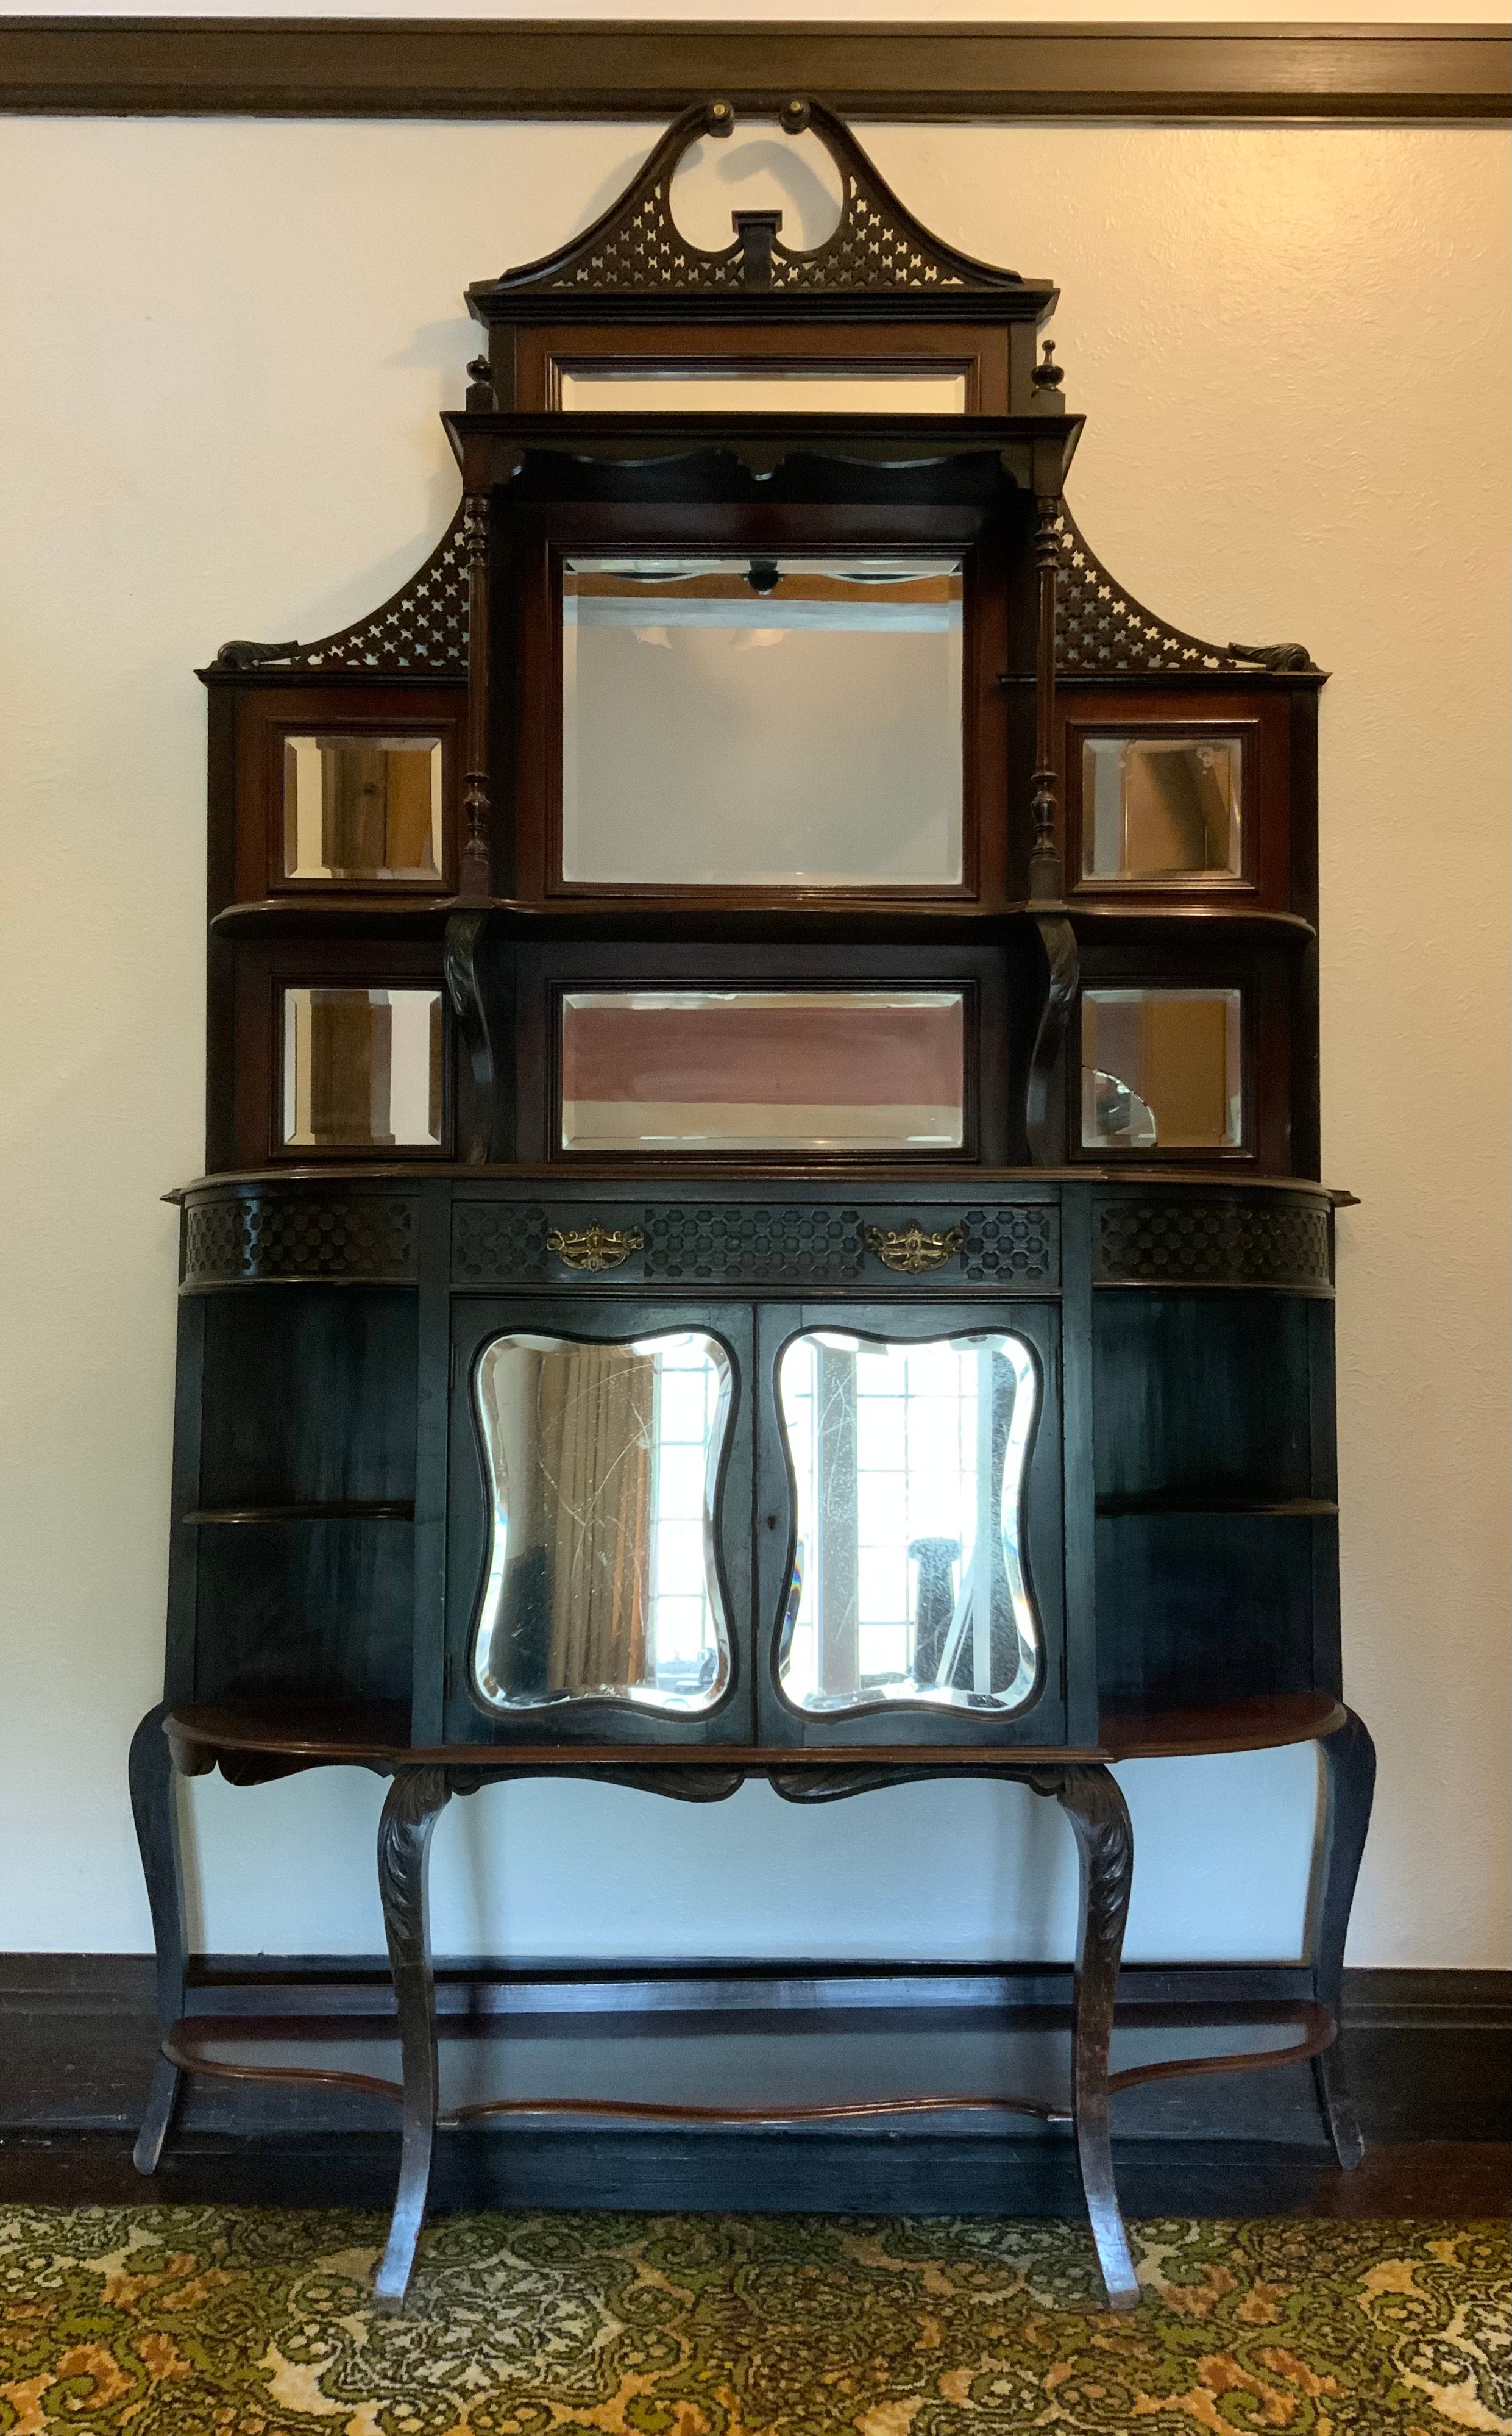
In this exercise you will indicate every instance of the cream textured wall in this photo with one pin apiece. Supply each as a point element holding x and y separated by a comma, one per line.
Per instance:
<point>226,346</point>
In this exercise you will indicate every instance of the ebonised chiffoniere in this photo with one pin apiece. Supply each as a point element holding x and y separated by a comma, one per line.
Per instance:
<point>761,1213</point>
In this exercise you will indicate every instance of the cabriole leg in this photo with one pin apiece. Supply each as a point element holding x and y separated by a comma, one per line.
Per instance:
<point>1349,1782</point>
<point>1105,1843</point>
<point>415,1801</point>
<point>154,1807</point>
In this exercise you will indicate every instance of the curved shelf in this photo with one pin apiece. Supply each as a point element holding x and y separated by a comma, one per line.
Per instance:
<point>1110,1509</point>
<point>342,912</point>
<point>315,1733</point>
<point>396,1509</point>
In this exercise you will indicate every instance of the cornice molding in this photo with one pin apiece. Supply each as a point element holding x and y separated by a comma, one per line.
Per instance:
<point>309,67</point>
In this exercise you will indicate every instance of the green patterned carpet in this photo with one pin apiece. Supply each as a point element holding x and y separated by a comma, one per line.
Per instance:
<point>206,2322</point>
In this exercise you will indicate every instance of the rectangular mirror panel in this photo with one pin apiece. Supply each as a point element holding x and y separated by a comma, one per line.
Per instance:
<point>1161,1069</point>
<point>763,724</point>
<point>1161,807</point>
<point>601,1463</point>
<point>763,1069</point>
<point>362,807</point>
<point>362,1067</point>
<point>803,389</point>
<point>908,1580</point>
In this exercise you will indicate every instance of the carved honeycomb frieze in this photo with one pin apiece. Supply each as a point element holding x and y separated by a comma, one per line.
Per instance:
<point>1212,1242</point>
<point>250,1239</point>
<point>498,1242</point>
<point>1010,1246</point>
<point>752,1244</point>
<point>743,1244</point>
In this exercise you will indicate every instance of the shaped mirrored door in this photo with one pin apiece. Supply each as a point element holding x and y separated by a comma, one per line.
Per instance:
<point>601,1464</point>
<point>771,722</point>
<point>909,1465</point>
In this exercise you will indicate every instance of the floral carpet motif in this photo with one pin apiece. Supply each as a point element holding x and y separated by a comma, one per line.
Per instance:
<point>212,2321</point>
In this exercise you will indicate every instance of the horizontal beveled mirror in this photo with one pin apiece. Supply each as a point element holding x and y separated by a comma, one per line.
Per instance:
<point>363,808</point>
<point>770,722</point>
<point>601,1464</point>
<point>907,1582</point>
<point>1164,809</point>
<point>1161,1069</point>
<point>752,1069</point>
<point>362,1068</point>
<point>801,388</point>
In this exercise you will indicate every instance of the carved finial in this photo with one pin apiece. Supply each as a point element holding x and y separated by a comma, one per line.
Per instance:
<point>720,117</point>
<point>1282,659</point>
<point>250,655</point>
<point>793,116</point>
<point>755,230</point>
<point>1048,375</point>
<point>481,398</point>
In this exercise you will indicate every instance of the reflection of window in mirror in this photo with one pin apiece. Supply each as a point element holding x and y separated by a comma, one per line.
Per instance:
<point>798,389</point>
<point>761,722</point>
<point>601,1463</point>
<point>1161,1069</point>
<point>362,1067</point>
<point>907,1582</point>
<point>1161,807</point>
<point>362,807</point>
<point>763,1069</point>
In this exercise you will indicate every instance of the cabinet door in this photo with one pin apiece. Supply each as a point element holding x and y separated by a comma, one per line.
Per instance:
<point>910,1525</point>
<point>599,1563</point>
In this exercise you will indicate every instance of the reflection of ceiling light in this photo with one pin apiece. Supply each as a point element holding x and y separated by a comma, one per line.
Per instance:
<point>756,638</point>
<point>653,635</point>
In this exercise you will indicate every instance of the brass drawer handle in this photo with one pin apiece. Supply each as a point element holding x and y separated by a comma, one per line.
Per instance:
<point>913,1251</point>
<point>595,1247</point>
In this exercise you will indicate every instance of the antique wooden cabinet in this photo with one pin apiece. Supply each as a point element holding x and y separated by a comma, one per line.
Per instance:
<point>762,1209</point>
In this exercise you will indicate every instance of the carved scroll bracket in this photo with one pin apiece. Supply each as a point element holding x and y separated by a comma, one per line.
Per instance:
<point>478,1119</point>
<point>1044,1109</point>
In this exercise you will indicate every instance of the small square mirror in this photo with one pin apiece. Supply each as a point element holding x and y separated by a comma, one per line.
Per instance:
<point>1163,810</point>
<point>363,808</point>
<point>362,1068</point>
<point>1161,1069</point>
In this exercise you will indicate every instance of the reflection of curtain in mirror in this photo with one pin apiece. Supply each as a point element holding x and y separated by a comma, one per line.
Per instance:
<point>596,1421</point>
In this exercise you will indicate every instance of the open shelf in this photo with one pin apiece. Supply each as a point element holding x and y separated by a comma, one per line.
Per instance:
<point>755,2067</point>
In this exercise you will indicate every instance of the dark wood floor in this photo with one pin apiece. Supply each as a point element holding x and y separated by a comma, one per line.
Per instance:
<point>479,2169</point>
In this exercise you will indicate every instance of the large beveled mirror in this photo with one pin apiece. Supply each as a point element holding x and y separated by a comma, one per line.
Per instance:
<point>862,1072</point>
<point>602,1465</point>
<point>764,723</point>
<point>909,1465</point>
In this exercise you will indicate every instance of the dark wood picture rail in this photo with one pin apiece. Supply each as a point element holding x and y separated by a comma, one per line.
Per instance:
<point>406,68</point>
